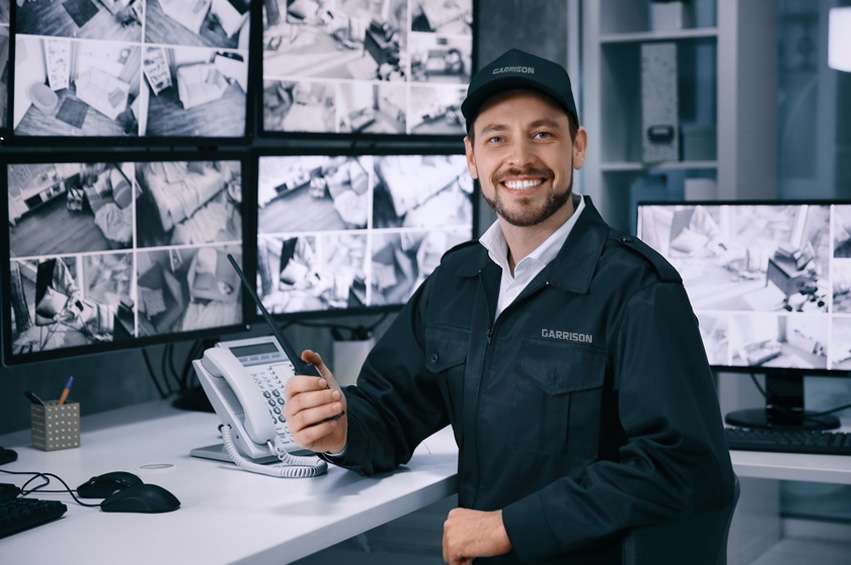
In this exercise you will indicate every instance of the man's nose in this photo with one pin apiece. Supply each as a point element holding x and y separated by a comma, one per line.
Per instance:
<point>522,155</point>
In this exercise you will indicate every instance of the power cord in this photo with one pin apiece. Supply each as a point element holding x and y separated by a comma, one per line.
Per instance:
<point>47,477</point>
<point>356,331</point>
<point>153,376</point>
<point>164,370</point>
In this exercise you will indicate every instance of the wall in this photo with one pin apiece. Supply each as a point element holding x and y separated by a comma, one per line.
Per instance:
<point>117,379</point>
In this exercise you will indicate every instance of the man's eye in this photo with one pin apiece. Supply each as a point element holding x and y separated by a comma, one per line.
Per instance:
<point>543,135</point>
<point>495,139</point>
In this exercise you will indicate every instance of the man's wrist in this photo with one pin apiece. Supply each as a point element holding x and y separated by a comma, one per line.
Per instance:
<point>501,535</point>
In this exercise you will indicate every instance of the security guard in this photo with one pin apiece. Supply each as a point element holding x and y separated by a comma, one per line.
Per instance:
<point>565,355</point>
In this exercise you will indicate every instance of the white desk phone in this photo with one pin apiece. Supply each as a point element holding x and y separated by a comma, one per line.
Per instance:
<point>244,381</point>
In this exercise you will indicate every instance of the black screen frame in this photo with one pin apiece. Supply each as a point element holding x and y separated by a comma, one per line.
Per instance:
<point>768,371</point>
<point>250,221</point>
<point>351,137</point>
<point>9,359</point>
<point>249,131</point>
<point>6,130</point>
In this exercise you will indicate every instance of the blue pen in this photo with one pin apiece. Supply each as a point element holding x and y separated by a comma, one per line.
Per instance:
<point>66,391</point>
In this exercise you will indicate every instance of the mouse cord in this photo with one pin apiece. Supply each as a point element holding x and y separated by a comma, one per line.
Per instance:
<point>46,476</point>
<point>292,467</point>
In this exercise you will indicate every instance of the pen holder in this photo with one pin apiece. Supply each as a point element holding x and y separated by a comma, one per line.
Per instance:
<point>55,426</point>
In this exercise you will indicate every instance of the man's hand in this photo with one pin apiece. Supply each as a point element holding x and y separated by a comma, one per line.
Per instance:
<point>316,411</point>
<point>472,533</point>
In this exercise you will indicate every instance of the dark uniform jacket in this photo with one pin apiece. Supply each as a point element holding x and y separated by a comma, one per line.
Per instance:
<point>587,408</point>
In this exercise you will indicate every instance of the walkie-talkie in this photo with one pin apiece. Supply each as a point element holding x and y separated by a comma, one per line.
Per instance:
<point>300,366</point>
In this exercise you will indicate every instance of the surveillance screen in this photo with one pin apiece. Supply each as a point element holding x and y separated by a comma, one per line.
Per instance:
<point>143,251</point>
<point>366,66</point>
<point>130,68</point>
<point>355,232</point>
<point>770,284</point>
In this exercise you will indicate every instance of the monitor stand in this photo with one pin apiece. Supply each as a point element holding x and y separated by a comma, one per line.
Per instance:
<point>784,407</point>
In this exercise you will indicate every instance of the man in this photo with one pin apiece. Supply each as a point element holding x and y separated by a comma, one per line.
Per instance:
<point>565,356</point>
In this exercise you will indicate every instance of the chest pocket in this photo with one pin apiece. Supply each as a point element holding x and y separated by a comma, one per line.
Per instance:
<point>445,358</point>
<point>558,394</point>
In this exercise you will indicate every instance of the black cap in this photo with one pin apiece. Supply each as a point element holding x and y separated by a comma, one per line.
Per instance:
<point>518,69</point>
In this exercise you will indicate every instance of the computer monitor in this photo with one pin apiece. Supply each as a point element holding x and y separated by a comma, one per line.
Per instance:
<point>770,283</point>
<point>131,69</point>
<point>379,68</point>
<point>100,255</point>
<point>356,233</point>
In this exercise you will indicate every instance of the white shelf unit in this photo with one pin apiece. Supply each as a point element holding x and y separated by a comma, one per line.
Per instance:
<point>727,61</point>
<point>636,166</point>
<point>666,35</point>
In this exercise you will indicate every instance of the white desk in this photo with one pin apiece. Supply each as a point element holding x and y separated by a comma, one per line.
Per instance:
<point>792,466</point>
<point>226,515</point>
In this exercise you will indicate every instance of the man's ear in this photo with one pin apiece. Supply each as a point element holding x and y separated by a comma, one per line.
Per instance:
<point>580,145</point>
<point>471,161</point>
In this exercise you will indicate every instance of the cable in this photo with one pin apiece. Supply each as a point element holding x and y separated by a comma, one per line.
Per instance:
<point>164,369</point>
<point>187,373</point>
<point>187,365</point>
<point>334,326</point>
<point>36,474</point>
<point>163,395</point>
<point>806,415</point>
<point>174,373</point>
<point>291,467</point>
<point>46,482</point>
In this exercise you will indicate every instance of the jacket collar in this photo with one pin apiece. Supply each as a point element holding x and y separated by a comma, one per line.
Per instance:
<point>574,266</point>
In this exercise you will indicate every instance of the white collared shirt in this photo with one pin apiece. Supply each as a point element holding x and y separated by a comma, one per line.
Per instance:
<point>511,286</point>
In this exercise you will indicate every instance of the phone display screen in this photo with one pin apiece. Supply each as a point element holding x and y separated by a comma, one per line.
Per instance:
<point>258,349</point>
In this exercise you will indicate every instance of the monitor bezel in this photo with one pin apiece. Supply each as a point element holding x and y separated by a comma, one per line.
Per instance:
<point>352,136</point>
<point>6,130</point>
<point>768,371</point>
<point>251,221</point>
<point>10,359</point>
<point>140,142</point>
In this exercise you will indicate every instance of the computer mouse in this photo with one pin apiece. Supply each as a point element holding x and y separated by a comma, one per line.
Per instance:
<point>104,485</point>
<point>150,499</point>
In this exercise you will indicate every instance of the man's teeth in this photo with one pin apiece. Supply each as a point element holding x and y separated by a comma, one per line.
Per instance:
<point>522,184</point>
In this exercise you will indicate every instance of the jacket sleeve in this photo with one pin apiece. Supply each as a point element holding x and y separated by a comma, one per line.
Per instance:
<point>395,404</point>
<point>675,458</point>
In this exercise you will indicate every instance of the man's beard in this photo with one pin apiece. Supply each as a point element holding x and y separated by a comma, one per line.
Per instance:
<point>525,218</point>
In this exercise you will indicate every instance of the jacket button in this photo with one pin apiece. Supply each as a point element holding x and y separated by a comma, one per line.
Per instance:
<point>434,357</point>
<point>626,239</point>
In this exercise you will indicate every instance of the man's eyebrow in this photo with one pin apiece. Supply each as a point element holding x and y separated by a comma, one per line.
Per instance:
<point>493,127</point>
<point>544,122</point>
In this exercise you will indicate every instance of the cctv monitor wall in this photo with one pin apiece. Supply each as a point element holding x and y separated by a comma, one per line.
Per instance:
<point>131,69</point>
<point>374,67</point>
<point>770,283</point>
<point>354,233</point>
<point>109,254</point>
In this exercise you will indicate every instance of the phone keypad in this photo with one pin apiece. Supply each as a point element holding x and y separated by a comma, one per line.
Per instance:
<point>272,379</point>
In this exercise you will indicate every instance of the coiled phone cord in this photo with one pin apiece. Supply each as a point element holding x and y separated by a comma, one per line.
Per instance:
<point>291,467</point>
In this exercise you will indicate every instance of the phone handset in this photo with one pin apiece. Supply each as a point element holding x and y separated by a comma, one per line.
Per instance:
<point>220,362</point>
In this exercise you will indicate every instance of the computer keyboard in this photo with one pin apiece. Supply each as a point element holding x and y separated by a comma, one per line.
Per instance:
<point>794,441</point>
<point>18,514</point>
